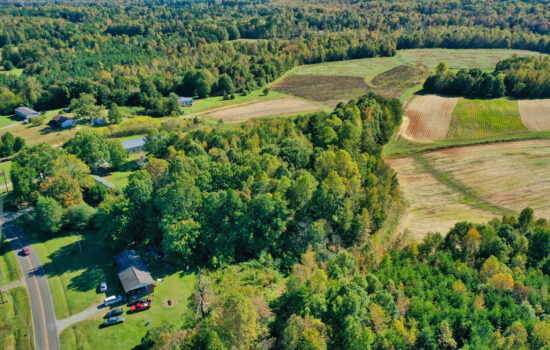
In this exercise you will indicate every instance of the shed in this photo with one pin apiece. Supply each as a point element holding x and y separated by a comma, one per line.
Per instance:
<point>26,113</point>
<point>64,121</point>
<point>101,181</point>
<point>134,146</point>
<point>185,101</point>
<point>133,273</point>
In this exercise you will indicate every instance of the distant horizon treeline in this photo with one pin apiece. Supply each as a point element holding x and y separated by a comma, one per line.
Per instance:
<point>138,55</point>
<point>519,77</point>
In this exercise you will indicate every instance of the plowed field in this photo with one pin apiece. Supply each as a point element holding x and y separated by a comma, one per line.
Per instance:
<point>428,117</point>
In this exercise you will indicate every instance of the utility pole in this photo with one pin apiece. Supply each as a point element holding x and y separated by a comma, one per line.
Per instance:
<point>5,180</point>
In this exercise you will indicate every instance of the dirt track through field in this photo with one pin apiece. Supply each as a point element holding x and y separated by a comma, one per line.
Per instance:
<point>535,114</point>
<point>428,117</point>
<point>263,109</point>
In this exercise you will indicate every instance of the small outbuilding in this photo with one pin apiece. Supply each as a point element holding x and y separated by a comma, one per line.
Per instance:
<point>101,181</point>
<point>133,273</point>
<point>185,101</point>
<point>26,113</point>
<point>64,121</point>
<point>134,146</point>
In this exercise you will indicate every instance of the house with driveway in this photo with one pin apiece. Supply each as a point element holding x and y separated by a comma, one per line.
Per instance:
<point>133,274</point>
<point>26,113</point>
<point>63,121</point>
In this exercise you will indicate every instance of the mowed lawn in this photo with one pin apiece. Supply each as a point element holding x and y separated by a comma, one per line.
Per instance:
<point>16,322</point>
<point>473,119</point>
<point>73,277</point>
<point>9,266</point>
<point>176,288</point>
<point>6,120</point>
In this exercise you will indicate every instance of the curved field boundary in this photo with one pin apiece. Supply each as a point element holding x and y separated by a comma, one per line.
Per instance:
<point>429,117</point>
<point>535,114</point>
<point>263,109</point>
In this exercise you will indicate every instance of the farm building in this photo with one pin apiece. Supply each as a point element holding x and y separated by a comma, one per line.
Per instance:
<point>185,101</point>
<point>101,181</point>
<point>134,146</point>
<point>63,121</point>
<point>133,273</point>
<point>26,113</point>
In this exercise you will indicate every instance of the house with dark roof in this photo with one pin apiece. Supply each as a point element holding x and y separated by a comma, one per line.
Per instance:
<point>133,273</point>
<point>26,113</point>
<point>63,121</point>
<point>134,146</point>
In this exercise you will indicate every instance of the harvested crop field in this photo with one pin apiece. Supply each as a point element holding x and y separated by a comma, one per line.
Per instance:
<point>263,109</point>
<point>506,177</point>
<point>323,88</point>
<point>432,206</point>
<point>535,114</point>
<point>473,119</point>
<point>428,117</point>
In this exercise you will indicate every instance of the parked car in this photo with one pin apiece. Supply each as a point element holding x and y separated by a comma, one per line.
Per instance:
<point>25,251</point>
<point>113,320</point>
<point>113,299</point>
<point>103,286</point>
<point>114,312</point>
<point>140,301</point>
<point>140,307</point>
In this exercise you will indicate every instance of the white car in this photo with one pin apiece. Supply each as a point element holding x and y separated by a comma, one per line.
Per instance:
<point>103,286</point>
<point>113,299</point>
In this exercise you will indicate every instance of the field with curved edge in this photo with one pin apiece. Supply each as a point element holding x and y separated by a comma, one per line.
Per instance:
<point>428,117</point>
<point>535,114</point>
<point>473,183</point>
<point>263,109</point>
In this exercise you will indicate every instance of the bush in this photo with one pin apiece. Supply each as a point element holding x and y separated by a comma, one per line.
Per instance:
<point>78,217</point>
<point>48,214</point>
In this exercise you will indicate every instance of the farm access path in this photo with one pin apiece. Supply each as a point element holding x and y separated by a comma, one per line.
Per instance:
<point>42,310</point>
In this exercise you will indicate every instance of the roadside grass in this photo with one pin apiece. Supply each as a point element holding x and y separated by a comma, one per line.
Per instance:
<point>10,271</point>
<point>5,166</point>
<point>6,120</point>
<point>474,119</point>
<point>175,287</point>
<point>73,277</point>
<point>16,325</point>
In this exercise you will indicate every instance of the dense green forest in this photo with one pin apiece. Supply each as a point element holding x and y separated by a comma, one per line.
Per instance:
<point>517,77</point>
<point>137,54</point>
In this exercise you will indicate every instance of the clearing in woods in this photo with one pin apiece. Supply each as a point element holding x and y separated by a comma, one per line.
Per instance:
<point>263,109</point>
<point>473,183</point>
<point>473,119</point>
<point>535,114</point>
<point>397,76</point>
<point>428,117</point>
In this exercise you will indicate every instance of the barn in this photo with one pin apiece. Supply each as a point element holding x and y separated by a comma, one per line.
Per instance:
<point>26,113</point>
<point>185,101</point>
<point>134,145</point>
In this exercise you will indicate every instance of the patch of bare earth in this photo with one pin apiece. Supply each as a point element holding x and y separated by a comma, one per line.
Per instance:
<point>511,175</point>
<point>323,88</point>
<point>428,117</point>
<point>432,206</point>
<point>535,114</point>
<point>263,109</point>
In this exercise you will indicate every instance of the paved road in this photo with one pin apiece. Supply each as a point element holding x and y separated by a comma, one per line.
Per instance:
<point>43,313</point>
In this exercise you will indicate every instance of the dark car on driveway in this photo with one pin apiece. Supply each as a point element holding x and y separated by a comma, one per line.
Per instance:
<point>113,320</point>
<point>113,313</point>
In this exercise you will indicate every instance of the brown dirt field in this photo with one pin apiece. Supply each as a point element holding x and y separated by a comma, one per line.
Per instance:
<point>535,114</point>
<point>322,88</point>
<point>511,175</point>
<point>262,109</point>
<point>394,82</point>
<point>432,206</point>
<point>428,117</point>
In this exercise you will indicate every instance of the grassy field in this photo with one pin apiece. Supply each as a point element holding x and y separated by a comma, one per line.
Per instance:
<point>15,71</point>
<point>176,288</point>
<point>473,183</point>
<point>472,119</point>
<point>205,104</point>
<point>398,76</point>
<point>73,277</point>
<point>16,326</point>
<point>6,120</point>
<point>9,267</point>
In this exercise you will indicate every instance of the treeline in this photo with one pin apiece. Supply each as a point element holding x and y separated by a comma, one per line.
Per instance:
<point>138,55</point>
<point>479,287</point>
<point>517,77</point>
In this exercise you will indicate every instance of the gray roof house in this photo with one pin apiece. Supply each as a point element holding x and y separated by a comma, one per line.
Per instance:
<point>101,181</point>
<point>134,146</point>
<point>185,101</point>
<point>26,113</point>
<point>133,273</point>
